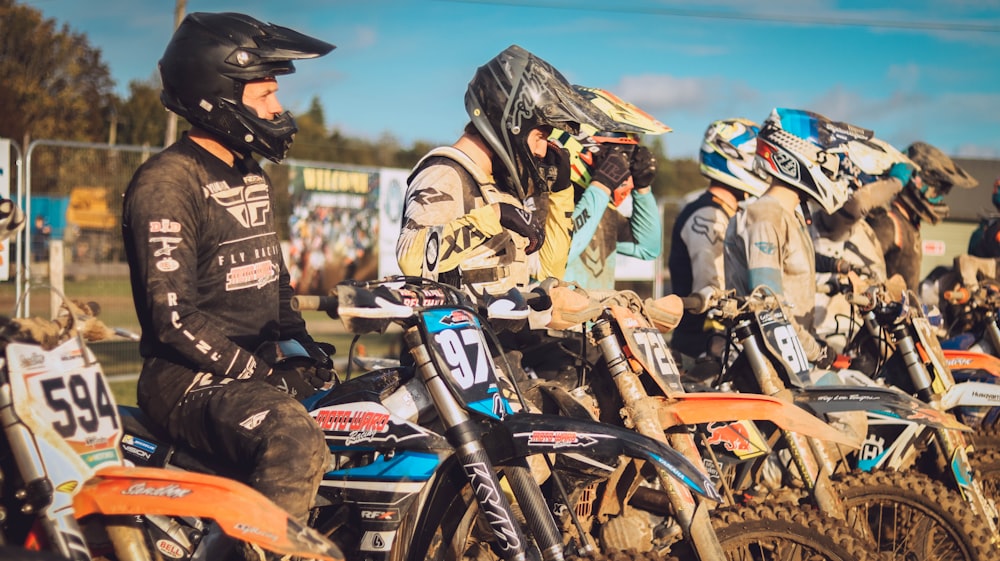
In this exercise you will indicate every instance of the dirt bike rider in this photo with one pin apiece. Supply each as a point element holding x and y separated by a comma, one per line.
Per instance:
<point>600,229</point>
<point>208,279</point>
<point>985,240</point>
<point>491,211</point>
<point>844,241</point>
<point>768,242</point>
<point>921,200</point>
<point>696,247</point>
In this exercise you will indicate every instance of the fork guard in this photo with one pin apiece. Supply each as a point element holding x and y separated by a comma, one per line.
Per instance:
<point>241,512</point>
<point>839,399</point>
<point>524,434</point>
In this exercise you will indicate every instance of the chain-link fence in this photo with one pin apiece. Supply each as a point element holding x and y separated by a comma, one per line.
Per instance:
<point>72,195</point>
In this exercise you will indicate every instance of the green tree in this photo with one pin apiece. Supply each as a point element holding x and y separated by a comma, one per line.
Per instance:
<point>141,117</point>
<point>55,84</point>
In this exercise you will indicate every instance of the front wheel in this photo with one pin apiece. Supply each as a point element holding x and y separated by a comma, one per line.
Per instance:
<point>910,516</point>
<point>781,532</point>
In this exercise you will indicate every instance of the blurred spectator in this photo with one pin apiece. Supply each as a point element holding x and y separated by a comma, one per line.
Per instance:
<point>40,234</point>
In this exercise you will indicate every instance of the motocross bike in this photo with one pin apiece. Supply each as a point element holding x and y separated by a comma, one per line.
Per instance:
<point>65,488</point>
<point>621,330</point>
<point>908,514</point>
<point>898,346</point>
<point>633,380</point>
<point>435,459</point>
<point>968,299</point>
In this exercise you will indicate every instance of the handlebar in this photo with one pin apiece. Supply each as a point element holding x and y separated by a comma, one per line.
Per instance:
<point>326,304</point>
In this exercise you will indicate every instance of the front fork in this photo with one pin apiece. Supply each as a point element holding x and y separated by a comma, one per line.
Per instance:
<point>463,435</point>
<point>813,458</point>
<point>61,529</point>
<point>640,413</point>
<point>953,445</point>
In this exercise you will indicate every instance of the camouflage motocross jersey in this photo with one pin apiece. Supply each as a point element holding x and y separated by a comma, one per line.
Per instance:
<point>768,245</point>
<point>451,233</point>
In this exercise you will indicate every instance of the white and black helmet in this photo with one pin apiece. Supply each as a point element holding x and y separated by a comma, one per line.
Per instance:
<point>727,155</point>
<point>516,92</point>
<point>805,150</point>
<point>209,60</point>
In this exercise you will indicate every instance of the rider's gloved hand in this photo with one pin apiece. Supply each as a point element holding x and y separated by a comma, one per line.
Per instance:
<point>554,168</point>
<point>524,223</point>
<point>298,380</point>
<point>826,357</point>
<point>611,167</point>
<point>642,167</point>
<point>902,171</point>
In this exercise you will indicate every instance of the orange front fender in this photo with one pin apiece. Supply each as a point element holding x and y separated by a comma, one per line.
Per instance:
<point>968,360</point>
<point>704,407</point>
<point>240,511</point>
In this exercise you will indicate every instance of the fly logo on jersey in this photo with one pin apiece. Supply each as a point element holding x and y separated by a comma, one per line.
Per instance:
<point>249,204</point>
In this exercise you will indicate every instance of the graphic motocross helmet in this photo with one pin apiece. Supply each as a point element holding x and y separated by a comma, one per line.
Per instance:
<point>938,174</point>
<point>805,150</point>
<point>513,94</point>
<point>209,60</point>
<point>727,155</point>
<point>629,122</point>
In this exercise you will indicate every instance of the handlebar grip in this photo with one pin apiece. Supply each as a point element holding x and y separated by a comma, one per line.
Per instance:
<point>326,304</point>
<point>859,300</point>
<point>694,303</point>
<point>960,295</point>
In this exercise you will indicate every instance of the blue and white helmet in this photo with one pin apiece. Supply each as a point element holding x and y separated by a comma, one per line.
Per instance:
<point>727,155</point>
<point>805,150</point>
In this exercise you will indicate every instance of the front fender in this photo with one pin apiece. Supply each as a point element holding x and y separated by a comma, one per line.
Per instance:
<point>526,434</point>
<point>821,400</point>
<point>981,365</point>
<point>705,407</point>
<point>971,394</point>
<point>241,512</point>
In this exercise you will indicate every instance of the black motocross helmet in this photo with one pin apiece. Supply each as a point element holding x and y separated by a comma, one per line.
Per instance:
<point>209,60</point>
<point>516,92</point>
<point>939,174</point>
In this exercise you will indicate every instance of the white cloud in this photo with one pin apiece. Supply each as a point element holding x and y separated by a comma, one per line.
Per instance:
<point>364,37</point>
<point>663,92</point>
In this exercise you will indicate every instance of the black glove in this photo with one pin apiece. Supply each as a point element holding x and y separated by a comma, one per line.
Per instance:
<point>611,167</point>
<point>298,378</point>
<point>554,168</point>
<point>826,357</point>
<point>524,223</point>
<point>642,167</point>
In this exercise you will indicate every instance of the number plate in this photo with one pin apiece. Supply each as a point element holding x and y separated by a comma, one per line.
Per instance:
<point>67,406</point>
<point>462,356</point>
<point>648,347</point>
<point>783,343</point>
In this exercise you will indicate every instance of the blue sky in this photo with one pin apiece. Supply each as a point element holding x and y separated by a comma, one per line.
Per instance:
<point>909,70</point>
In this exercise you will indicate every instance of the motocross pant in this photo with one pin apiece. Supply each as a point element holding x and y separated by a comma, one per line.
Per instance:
<point>267,436</point>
